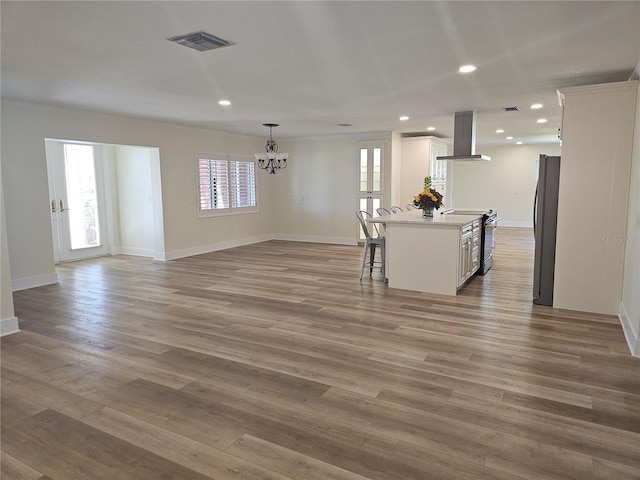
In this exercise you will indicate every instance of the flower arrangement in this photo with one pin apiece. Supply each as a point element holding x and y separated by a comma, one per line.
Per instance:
<point>429,198</point>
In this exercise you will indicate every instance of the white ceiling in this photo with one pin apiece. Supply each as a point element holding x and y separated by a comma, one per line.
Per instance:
<point>310,66</point>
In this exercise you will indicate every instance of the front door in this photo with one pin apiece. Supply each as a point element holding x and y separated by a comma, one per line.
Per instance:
<point>76,190</point>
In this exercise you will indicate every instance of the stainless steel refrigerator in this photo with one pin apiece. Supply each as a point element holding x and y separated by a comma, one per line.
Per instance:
<point>545,219</point>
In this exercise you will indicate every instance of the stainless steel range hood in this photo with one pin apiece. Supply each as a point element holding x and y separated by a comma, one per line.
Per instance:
<point>464,139</point>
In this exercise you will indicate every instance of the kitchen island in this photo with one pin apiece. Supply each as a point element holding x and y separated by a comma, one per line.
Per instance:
<point>436,254</point>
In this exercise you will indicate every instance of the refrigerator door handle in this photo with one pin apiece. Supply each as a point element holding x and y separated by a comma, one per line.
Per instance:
<point>535,208</point>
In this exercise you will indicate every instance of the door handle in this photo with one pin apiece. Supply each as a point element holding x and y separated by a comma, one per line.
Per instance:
<point>62,209</point>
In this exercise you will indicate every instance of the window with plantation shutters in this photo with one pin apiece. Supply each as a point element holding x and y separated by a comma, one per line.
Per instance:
<point>226,185</point>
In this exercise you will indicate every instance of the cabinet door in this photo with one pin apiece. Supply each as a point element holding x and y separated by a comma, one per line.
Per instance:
<point>464,260</point>
<point>475,248</point>
<point>466,240</point>
<point>475,255</point>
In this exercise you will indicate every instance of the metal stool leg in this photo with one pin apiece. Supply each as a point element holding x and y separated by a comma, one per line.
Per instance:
<point>364,258</point>
<point>372,257</point>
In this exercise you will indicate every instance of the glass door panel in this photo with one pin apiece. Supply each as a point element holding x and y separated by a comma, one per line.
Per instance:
<point>76,197</point>
<point>370,183</point>
<point>84,227</point>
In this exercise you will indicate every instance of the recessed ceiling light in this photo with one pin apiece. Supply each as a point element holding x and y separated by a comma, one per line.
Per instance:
<point>518,143</point>
<point>431,129</point>
<point>542,120</point>
<point>535,106</point>
<point>509,138</point>
<point>404,118</point>
<point>224,103</point>
<point>467,69</point>
<point>500,130</point>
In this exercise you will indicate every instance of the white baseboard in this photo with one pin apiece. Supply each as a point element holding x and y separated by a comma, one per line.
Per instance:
<point>502,223</point>
<point>629,331</point>
<point>213,247</point>
<point>36,281</point>
<point>9,326</point>
<point>315,239</point>
<point>137,252</point>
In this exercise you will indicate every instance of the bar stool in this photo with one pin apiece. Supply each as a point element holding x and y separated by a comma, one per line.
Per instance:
<point>395,209</point>
<point>370,244</point>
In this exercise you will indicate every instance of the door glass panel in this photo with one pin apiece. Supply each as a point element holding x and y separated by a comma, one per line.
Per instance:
<point>370,181</point>
<point>363,206</point>
<point>363,170</point>
<point>376,204</point>
<point>377,169</point>
<point>82,197</point>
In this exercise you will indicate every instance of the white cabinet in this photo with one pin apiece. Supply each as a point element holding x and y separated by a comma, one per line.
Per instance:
<point>592,235</point>
<point>424,254</point>
<point>469,257</point>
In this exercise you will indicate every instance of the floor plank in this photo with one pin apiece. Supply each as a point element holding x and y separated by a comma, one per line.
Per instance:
<point>273,361</point>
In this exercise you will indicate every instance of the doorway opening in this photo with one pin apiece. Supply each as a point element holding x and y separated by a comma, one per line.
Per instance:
<point>105,199</point>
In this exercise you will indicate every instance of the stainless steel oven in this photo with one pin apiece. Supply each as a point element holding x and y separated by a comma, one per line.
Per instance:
<point>489,227</point>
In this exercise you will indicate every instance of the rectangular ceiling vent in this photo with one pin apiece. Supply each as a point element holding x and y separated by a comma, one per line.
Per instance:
<point>511,109</point>
<point>201,41</point>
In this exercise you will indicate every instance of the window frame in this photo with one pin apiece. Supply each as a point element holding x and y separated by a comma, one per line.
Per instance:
<point>229,159</point>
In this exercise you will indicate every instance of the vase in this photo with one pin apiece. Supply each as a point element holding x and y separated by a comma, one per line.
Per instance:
<point>427,212</point>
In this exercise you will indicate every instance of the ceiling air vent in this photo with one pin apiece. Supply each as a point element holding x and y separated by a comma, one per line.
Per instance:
<point>201,41</point>
<point>511,109</point>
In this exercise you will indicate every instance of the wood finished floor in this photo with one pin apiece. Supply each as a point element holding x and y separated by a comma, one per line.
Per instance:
<point>273,361</point>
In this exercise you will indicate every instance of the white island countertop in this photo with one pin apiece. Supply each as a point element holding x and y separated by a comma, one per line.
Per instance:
<point>429,254</point>
<point>414,217</point>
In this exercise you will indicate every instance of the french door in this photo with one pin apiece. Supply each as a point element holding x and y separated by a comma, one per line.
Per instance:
<point>370,190</point>
<point>76,192</point>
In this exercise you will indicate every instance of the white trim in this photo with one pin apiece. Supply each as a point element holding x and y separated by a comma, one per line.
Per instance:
<point>315,239</point>
<point>213,247</point>
<point>514,224</point>
<point>630,335</point>
<point>9,326</point>
<point>137,252</point>
<point>229,210</point>
<point>598,88</point>
<point>35,281</point>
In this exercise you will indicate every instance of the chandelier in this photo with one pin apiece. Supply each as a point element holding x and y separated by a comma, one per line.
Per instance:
<point>272,161</point>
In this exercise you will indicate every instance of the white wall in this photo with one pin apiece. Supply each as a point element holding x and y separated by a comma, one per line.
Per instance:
<point>630,306</point>
<point>8,320</point>
<point>415,166</point>
<point>506,183</point>
<point>393,196</point>
<point>316,196</point>
<point>134,196</point>
<point>23,130</point>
